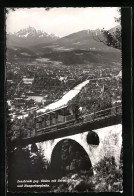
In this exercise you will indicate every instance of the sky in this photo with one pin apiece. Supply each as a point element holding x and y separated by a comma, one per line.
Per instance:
<point>61,21</point>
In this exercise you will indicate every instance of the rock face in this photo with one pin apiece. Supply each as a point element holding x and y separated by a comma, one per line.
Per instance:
<point>28,37</point>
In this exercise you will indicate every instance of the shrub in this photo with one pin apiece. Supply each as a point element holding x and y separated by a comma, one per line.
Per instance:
<point>108,176</point>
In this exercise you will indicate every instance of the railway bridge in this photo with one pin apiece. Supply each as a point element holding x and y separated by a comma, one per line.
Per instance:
<point>96,135</point>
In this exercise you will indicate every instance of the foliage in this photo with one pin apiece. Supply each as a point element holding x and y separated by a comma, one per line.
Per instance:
<point>108,176</point>
<point>38,164</point>
<point>112,39</point>
<point>20,161</point>
<point>75,183</point>
<point>71,159</point>
<point>26,165</point>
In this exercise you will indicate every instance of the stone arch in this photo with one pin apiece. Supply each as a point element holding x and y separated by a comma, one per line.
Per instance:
<point>68,156</point>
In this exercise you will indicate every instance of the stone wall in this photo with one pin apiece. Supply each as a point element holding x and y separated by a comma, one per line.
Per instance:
<point>110,144</point>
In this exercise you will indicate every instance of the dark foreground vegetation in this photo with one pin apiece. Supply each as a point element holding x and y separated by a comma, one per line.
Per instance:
<point>106,176</point>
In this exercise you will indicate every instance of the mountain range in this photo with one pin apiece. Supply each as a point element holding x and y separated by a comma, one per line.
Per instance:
<point>29,36</point>
<point>79,47</point>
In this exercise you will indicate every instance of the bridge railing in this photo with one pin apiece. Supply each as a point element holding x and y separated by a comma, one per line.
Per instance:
<point>116,110</point>
<point>95,116</point>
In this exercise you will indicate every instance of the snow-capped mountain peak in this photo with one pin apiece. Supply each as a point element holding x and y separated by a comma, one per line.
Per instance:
<point>30,36</point>
<point>31,32</point>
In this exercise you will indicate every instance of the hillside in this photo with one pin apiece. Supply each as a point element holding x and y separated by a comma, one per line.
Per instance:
<point>101,58</point>
<point>84,57</point>
<point>85,39</point>
<point>18,54</point>
<point>77,48</point>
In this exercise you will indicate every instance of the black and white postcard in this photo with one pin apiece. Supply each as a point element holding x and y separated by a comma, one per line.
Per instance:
<point>64,99</point>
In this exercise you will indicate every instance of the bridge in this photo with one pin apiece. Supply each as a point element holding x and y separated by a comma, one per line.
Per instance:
<point>98,134</point>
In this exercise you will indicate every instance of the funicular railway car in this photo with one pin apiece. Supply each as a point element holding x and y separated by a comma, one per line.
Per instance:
<point>54,119</point>
<point>66,116</point>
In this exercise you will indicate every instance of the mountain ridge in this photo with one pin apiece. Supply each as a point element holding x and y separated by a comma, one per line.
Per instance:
<point>29,36</point>
<point>83,40</point>
<point>79,47</point>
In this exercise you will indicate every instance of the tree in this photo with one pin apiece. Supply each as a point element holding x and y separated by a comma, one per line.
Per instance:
<point>111,38</point>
